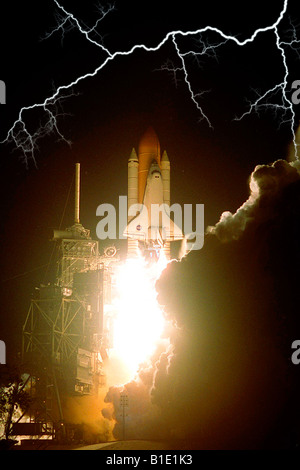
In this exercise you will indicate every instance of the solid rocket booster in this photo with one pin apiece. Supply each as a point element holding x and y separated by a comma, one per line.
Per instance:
<point>133,195</point>
<point>148,183</point>
<point>165,173</point>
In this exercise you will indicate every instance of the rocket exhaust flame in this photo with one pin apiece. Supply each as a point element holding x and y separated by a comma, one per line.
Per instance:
<point>139,323</point>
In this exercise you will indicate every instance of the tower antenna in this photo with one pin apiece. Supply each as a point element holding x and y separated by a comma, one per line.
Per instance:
<point>77,194</point>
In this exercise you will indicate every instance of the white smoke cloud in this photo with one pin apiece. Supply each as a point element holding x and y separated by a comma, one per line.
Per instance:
<point>266,184</point>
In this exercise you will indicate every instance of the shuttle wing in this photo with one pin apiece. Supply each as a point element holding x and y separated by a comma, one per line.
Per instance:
<point>163,228</point>
<point>171,231</point>
<point>138,227</point>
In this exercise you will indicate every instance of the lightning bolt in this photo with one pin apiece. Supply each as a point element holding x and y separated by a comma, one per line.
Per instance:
<point>67,21</point>
<point>26,141</point>
<point>285,105</point>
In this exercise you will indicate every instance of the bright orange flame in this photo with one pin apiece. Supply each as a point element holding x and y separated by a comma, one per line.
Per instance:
<point>139,321</point>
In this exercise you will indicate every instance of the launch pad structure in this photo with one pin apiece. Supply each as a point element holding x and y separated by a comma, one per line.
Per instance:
<point>67,332</point>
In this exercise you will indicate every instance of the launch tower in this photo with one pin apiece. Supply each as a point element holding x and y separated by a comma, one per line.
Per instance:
<point>66,332</point>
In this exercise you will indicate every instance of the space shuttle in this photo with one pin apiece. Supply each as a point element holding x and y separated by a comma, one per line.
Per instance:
<point>152,229</point>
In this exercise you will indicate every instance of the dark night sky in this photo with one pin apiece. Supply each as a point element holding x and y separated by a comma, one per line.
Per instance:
<point>109,114</point>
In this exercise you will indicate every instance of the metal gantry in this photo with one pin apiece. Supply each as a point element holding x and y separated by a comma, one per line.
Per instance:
<point>65,336</point>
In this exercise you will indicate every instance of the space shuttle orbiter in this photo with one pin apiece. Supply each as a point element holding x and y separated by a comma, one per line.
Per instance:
<point>149,185</point>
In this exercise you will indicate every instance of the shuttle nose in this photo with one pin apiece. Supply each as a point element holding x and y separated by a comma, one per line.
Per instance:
<point>154,169</point>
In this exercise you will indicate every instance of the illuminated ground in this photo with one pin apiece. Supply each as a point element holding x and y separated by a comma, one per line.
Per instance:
<point>129,445</point>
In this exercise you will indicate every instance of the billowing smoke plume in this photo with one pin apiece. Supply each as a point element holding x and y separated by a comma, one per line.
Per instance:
<point>230,382</point>
<point>86,412</point>
<point>142,418</point>
<point>267,183</point>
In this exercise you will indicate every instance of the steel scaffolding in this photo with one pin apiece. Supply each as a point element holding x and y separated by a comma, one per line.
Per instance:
<point>65,336</point>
